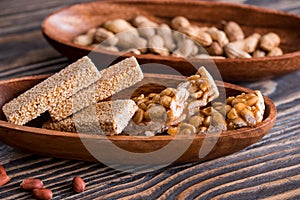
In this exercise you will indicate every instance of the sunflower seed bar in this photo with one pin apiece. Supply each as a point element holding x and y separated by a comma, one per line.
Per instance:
<point>47,94</point>
<point>108,117</point>
<point>113,79</point>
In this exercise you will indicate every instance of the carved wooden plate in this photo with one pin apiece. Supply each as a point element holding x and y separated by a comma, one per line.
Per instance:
<point>61,27</point>
<point>33,139</point>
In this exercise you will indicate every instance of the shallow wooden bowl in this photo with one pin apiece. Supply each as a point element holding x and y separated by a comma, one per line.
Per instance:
<point>61,27</point>
<point>36,140</point>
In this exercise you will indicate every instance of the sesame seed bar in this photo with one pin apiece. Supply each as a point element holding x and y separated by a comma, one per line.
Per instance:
<point>48,93</point>
<point>113,79</point>
<point>108,117</point>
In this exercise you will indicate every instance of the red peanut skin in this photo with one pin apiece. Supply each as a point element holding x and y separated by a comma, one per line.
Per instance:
<point>42,193</point>
<point>31,183</point>
<point>78,184</point>
<point>4,179</point>
<point>2,170</point>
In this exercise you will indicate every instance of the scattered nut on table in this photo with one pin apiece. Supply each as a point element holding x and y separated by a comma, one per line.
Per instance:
<point>31,183</point>
<point>78,184</point>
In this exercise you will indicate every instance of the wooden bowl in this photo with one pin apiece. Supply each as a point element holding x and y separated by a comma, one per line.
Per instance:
<point>61,27</point>
<point>33,139</point>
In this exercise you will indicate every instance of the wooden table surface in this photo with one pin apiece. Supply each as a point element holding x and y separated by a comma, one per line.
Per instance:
<point>269,169</point>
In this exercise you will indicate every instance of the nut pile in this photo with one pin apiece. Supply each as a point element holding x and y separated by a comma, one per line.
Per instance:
<point>142,35</point>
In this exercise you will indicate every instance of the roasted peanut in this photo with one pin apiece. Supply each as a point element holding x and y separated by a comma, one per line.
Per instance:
<point>156,45</point>
<point>2,170</point>
<point>215,49</point>
<point>165,101</point>
<point>31,183</point>
<point>146,31</point>
<point>85,39</point>
<point>196,120</point>
<point>141,20</point>
<point>173,130</point>
<point>233,31</point>
<point>185,48</point>
<point>269,41</point>
<point>275,52</point>
<point>218,35</point>
<point>42,193</point>
<point>200,37</point>
<point>119,25</point>
<point>107,48</point>
<point>251,43</point>
<point>233,52</point>
<point>179,22</point>
<point>78,184</point>
<point>138,116</point>
<point>186,129</point>
<point>259,53</point>
<point>166,33</point>
<point>157,112</point>
<point>4,178</point>
<point>105,37</point>
<point>129,39</point>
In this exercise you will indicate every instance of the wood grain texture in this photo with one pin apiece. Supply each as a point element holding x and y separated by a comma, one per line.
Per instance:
<point>268,169</point>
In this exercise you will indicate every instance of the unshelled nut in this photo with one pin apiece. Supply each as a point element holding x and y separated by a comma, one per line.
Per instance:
<point>166,33</point>
<point>85,39</point>
<point>233,31</point>
<point>215,49</point>
<point>78,184</point>
<point>140,21</point>
<point>4,179</point>
<point>218,35</point>
<point>179,22</point>
<point>185,48</point>
<point>105,37</point>
<point>275,52</point>
<point>233,52</point>
<point>119,25</point>
<point>129,39</point>
<point>42,193</point>
<point>269,41</point>
<point>200,37</point>
<point>156,45</point>
<point>259,53</point>
<point>251,42</point>
<point>146,27</point>
<point>31,183</point>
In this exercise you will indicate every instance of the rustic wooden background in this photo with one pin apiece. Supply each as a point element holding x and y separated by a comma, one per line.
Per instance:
<point>269,169</point>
